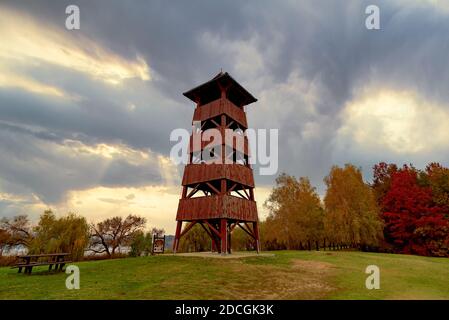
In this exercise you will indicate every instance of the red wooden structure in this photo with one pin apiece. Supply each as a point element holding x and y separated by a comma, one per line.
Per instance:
<point>219,196</point>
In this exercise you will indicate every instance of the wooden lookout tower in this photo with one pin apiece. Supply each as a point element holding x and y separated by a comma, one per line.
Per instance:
<point>218,196</point>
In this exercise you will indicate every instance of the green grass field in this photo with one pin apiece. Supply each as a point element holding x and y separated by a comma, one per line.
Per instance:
<point>286,275</point>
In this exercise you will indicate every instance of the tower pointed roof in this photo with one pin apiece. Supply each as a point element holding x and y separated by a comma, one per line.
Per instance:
<point>210,89</point>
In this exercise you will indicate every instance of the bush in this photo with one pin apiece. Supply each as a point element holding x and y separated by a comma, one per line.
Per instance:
<point>6,261</point>
<point>140,244</point>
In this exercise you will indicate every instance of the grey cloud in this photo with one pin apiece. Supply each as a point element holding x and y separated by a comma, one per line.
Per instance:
<point>30,166</point>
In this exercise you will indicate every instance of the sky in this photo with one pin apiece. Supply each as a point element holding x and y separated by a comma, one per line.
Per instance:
<point>86,115</point>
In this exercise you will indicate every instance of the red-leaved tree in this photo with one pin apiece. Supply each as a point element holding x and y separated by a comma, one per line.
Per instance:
<point>413,222</point>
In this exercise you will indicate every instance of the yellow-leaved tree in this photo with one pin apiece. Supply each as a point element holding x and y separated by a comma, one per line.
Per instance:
<point>296,215</point>
<point>352,214</point>
<point>69,233</point>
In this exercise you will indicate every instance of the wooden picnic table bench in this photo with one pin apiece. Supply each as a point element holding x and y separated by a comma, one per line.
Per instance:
<point>58,260</point>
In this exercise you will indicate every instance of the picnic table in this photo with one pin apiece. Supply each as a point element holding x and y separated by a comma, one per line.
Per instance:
<point>58,260</point>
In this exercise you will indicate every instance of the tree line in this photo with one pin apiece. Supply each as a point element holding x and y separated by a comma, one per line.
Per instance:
<point>348,216</point>
<point>298,219</point>
<point>404,210</point>
<point>72,233</point>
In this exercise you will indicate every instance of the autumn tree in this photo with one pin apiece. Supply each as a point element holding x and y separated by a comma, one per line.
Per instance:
<point>111,234</point>
<point>382,173</point>
<point>296,215</point>
<point>352,213</point>
<point>18,231</point>
<point>241,241</point>
<point>4,241</point>
<point>414,222</point>
<point>437,178</point>
<point>69,233</point>
<point>311,211</point>
<point>269,234</point>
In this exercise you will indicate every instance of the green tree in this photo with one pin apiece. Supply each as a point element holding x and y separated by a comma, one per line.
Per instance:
<point>64,234</point>
<point>352,214</point>
<point>196,240</point>
<point>141,244</point>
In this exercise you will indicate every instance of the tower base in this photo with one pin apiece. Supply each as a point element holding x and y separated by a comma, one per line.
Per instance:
<point>219,230</point>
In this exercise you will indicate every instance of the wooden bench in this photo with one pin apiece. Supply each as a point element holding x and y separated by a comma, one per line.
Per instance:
<point>56,260</point>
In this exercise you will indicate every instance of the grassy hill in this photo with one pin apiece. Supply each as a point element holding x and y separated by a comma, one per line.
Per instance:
<point>286,275</point>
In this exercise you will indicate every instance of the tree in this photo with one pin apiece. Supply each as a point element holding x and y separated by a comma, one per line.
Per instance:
<point>69,233</point>
<point>109,235</point>
<point>157,231</point>
<point>196,240</point>
<point>414,223</point>
<point>352,213</point>
<point>382,179</point>
<point>18,230</point>
<point>241,241</point>
<point>141,243</point>
<point>296,215</point>
<point>312,212</point>
<point>4,240</point>
<point>268,237</point>
<point>437,178</point>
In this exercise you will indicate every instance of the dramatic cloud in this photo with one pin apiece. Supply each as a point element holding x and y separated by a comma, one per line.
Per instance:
<point>28,41</point>
<point>397,121</point>
<point>85,115</point>
<point>49,169</point>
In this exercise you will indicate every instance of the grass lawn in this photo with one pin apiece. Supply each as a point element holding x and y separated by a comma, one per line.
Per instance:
<point>286,275</point>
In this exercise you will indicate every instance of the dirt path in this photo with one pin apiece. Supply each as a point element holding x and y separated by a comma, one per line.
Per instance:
<point>301,280</point>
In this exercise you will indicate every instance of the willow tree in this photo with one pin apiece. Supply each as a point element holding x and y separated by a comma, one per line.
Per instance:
<point>64,234</point>
<point>352,214</point>
<point>296,215</point>
<point>196,240</point>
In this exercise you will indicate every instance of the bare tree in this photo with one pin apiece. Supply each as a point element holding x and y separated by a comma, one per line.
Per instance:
<point>107,236</point>
<point>4,240</point>
<point>18,230</point>
<point>157,231</point>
